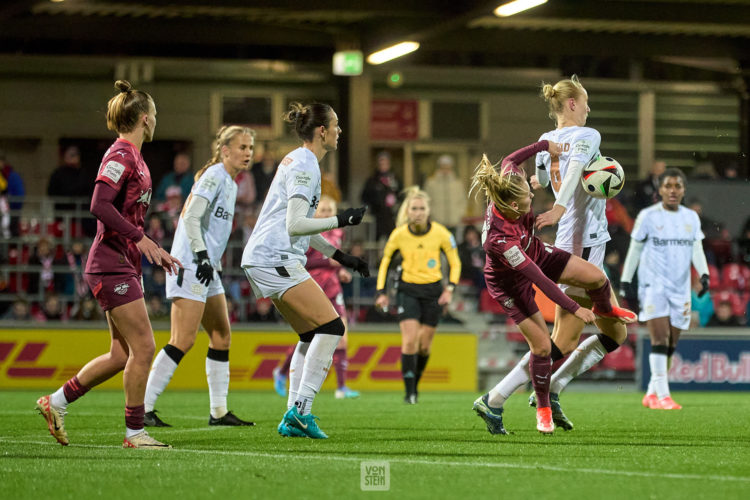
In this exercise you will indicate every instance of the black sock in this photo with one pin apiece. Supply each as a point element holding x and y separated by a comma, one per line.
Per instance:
<point>421,364</point>
<point>409,372</point>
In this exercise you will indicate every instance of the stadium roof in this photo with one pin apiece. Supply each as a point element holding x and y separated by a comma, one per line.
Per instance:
<point>605,38</point>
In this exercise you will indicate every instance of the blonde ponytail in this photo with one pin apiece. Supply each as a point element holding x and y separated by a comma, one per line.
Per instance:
<point>502,187</point>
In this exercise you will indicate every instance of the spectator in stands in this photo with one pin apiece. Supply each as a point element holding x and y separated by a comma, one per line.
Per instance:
<point>448,194</point>
<point>87,310</point>
<point>170,209</point>
<point>724,314</point>
<point>43,277</point>
<point>76,259</point>
<point>718,242</point>
<point>52,308</point>
<point>264,170</point>
<point>157,310</point>
<point>155,229</point>
<point>20,311</point>
<point>263,311</point>
<point>69,181</point>
<point>380,194</point>
<point>180,176</point>
<point>702,306</point>
<point>472,256</point>
<point>743,243</point>
<point>646,192</point>
<point>13,190</point>
<point>247,193</point>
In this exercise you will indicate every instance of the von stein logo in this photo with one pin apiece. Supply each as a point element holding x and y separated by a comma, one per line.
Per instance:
<point>375,476</point>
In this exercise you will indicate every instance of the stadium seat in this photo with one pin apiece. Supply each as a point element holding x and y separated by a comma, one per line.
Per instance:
<point>714,277</point>
<point>622,359</point>
<point>735,277</point>
<point>734,300</point>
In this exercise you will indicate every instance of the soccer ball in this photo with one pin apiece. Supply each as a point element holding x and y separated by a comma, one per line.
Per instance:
<point>603,178</point>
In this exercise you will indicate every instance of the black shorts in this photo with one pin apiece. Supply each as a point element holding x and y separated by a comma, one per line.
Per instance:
<point>420,302</point>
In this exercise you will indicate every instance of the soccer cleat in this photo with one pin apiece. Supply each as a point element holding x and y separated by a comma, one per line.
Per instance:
<point>287,430</point>
<point>228,419</point>
<point>143,440</point>
<point>150,419</point>
<point>55,419</point>
<point>279,382</point>
<point>649,400</point>
<point>346,393</point>
<point>544,422</point>
<point>618,313</point>
<point>410,399</point>
<point>493,418</point>
<point>558,416</point>
<point>304,423</point>
<point>667,404</point>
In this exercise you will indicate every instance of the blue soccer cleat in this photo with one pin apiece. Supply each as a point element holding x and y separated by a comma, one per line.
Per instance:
<point>279,382</point>
<point>493,417</point>
<point>304,423</point>
<point>288,431</point>
<point>346,393</point>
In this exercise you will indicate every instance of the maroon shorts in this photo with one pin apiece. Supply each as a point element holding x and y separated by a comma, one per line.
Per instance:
<point>514,292</point>
<point>112,290</point>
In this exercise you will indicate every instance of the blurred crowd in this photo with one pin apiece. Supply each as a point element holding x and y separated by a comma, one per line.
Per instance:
<point>42,262</point>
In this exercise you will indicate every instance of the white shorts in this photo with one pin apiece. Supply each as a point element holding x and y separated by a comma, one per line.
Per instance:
<point>185,285</point>
<point>656,302</point>
<point>272,282</point>
<point>593,254</point>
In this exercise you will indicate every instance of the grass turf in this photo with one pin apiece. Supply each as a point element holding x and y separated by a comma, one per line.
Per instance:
<point>436,449</point>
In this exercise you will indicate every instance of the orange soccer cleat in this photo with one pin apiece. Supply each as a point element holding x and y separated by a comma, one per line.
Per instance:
<point>668,404</point>
<point>650,401</point>
<point>544,422</point>
<point>618,313</point>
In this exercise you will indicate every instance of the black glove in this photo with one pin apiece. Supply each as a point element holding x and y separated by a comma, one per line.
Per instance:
<point>205,271</point>
<point>351,216</point>
<point>704,286</point>
<point>352,262</point>
<point>627,290</point>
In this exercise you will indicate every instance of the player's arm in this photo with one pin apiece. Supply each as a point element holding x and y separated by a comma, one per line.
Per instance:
<point>532,272</point>
<point>632,259</point>
<point>299,224</point>
<point>194,212</point>
<point>319,243</point>
<point>521,155</point>
<point>381,297</point>
<point>103,208</point>
<point>701,265</point>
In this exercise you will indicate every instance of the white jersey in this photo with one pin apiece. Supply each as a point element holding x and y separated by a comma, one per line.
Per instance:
<point>584,223</point>
<point>668,238</point>
<point>218,187</point>
<point>270,245</point>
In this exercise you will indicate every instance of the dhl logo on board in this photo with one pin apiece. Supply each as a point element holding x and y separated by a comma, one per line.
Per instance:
<point>46,358</point>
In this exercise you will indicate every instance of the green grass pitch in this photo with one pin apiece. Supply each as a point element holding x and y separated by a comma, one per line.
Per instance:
<point>436,449</point>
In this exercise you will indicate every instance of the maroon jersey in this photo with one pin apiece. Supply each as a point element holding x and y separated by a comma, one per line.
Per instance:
<point>124,170</point>
<point>320,268</point>
<point>510,246</point>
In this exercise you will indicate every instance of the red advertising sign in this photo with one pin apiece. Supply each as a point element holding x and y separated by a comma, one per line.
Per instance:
<point>394,120</point>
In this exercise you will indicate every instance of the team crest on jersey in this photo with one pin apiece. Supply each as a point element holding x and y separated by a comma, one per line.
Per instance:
<point>286,161</point>
<point>508,303</point>
<point>121,289</point>
<point>145,197</point>
<point>209,184</point>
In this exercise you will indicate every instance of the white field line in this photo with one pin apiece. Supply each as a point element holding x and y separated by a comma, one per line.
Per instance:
<point>440,463</point>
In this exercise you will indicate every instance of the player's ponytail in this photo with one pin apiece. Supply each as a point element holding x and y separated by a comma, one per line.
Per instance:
<point>501,188</point>
<point>126,108</point>
<point>555,96</point>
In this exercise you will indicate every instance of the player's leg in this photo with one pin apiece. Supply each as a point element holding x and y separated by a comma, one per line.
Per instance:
<point>431,312</point>
<point>659,330</point>
<point>410,311</point>
<point>534,329</point>
<point>131,322</point>
<point>185,316</point>
<point>341,363</point>
<point>216,323</point>
<point>309,311</point>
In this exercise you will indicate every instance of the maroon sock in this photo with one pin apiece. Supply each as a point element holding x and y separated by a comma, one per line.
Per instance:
<point>540,369</point>
<point>134,417</point>
<point>287,362</point>
<point>557,364</point>
<point>340,363</point>
<point>73,389</point>
<point>601,297</point>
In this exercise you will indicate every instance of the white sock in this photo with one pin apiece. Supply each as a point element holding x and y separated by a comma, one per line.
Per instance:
<point>317,362</point>
<point>651,389</point>
<point>58,400</point>
<point>158,378</point>
<point>517,377</point>
<point>658,364</point>
<point>586,355</point>
<point>295,371</point>
<point>129,433</point>
<point>217,374</point>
